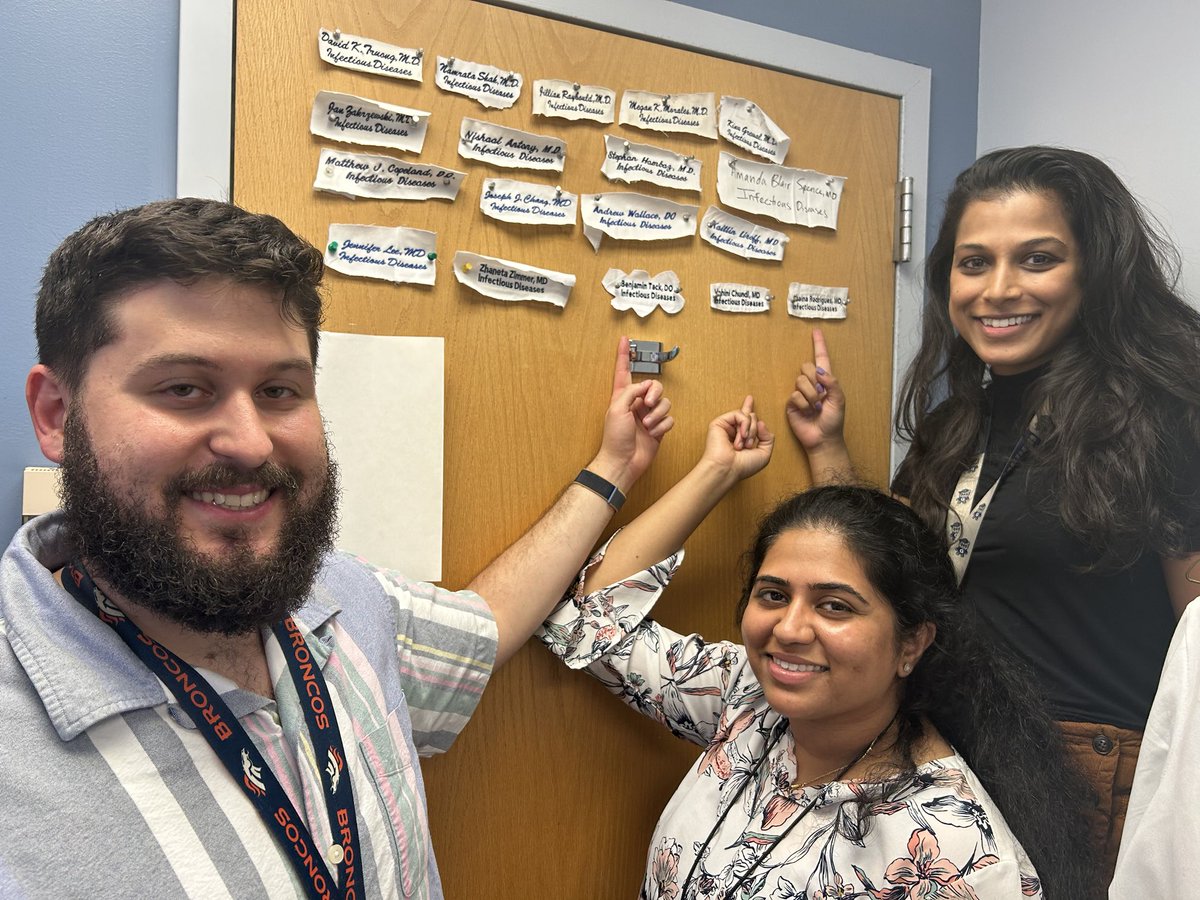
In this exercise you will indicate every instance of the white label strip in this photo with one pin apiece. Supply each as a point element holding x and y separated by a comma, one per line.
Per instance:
<point>353,51</point>
<point>384,177</point>
<point>375,251</point>
<point>357,120</point>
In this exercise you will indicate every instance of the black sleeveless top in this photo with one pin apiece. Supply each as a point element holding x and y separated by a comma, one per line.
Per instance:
<point>1095,641</point>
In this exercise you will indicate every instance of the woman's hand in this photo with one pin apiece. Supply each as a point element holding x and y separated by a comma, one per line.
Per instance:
<point>816,413</point>
<point>816,410</point>
<point>738,442</point>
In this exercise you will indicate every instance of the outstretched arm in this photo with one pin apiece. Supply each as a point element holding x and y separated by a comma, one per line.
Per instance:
<point>737,446</point>
<point>525,581</point>
<point>816,412</point>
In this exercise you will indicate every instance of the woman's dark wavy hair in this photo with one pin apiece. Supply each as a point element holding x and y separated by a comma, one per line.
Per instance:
<point>1125,405</point>
<point>182,240</point>
<point>979,697</point>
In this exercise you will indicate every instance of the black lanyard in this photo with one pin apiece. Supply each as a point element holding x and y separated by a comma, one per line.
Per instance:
<point>241,757</point>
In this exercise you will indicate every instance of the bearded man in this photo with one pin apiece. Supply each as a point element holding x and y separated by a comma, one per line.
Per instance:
<point>201,697</point>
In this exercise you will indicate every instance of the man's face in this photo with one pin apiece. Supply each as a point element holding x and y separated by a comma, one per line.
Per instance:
<point>197,478</point>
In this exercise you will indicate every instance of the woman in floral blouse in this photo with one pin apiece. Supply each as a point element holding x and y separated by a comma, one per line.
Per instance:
<point>860,742</point>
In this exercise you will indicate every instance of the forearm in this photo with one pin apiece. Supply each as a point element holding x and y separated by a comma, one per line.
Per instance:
<point>524,582</point>
<point>830,463</point>
<point>662,529</point>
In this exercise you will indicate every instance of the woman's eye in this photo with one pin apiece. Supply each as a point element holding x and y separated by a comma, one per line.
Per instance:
<point>971,263</point>
<point>834,604</point>
<point>771,596</point>
<point>1040,260</point>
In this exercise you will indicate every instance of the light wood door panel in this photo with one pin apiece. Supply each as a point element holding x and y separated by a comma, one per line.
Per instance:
<point>554,788</point>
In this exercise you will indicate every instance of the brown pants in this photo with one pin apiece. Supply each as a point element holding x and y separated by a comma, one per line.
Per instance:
<point>1106,756</point>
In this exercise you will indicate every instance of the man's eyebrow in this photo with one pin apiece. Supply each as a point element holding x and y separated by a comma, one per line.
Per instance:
<point>170,360</point>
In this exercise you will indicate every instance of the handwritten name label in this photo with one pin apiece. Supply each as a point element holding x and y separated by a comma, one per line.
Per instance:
<point>528,204</point>
<point>627,161</point>
<point>356,120</point>
<point>814,301</point>
<point>572,100</point>
<point>746,125</point>
<point>636,290</point>
<point>797,196</point>
<point>687,113</point>
<point>390,254</point>
<point>503,279</point>
<point>384,177</point>
<point>738,236</point>
<point>352,51</point>
<point>739,298</point>
<point>635,217</point>
<point>489,86</point>
<point>509,147</point>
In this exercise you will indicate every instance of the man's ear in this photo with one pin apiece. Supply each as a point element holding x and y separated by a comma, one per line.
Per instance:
<point>48,399</point>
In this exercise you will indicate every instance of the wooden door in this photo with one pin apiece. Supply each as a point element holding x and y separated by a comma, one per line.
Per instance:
<point>554,788</point>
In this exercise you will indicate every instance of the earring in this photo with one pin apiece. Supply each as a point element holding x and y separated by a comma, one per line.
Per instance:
<point>907,668</point>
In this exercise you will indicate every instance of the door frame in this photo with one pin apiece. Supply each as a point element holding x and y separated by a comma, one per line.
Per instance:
<point>204,150</point>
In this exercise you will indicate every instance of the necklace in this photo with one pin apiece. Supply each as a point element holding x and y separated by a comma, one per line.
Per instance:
<point>799,785</point>
<point>804,811</point>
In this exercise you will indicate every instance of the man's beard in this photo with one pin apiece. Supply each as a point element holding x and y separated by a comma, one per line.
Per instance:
<point>144,558</point>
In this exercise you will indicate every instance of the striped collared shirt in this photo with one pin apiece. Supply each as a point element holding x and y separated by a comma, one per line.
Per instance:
<point>111,791</point>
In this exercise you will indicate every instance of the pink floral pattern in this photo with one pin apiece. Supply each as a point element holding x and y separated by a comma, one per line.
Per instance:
<point>936,837</point>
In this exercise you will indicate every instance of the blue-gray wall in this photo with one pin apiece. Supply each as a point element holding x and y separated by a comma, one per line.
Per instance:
<point>91,129</point>
<point>94,87</point>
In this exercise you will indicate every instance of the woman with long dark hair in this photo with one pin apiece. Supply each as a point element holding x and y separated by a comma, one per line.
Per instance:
<point>861,741</point>
<point>1053,411</point>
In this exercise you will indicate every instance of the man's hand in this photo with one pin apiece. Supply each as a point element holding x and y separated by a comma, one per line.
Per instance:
<point>637,419</point>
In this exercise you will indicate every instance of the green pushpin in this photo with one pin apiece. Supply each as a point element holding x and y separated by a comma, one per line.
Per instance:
<point>432,256</point>
<point>332,247</point>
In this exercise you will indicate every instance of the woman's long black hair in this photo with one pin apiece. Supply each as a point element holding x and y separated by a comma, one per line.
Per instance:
<point>980,698</point>
<point>1124,396</point>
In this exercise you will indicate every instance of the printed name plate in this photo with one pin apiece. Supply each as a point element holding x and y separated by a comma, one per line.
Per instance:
<point>356,120</point>
<point>739,298</point>
<point>572,100</point>
<point>638,291</point>
<point>814,301</point>
<point>503,279</point>
<point>489,86</point>
<point>375,251</point>
<point>687,113</point>
<point>352,51</point>
<point>745,124</point>
<point>384,177</point>
<point>626,161</point>
<point>528,204</point>
<point>741,237</point>
<point>635,217</point>
<point>509,147</point>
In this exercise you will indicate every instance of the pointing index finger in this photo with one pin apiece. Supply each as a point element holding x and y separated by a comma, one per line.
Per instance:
<point>621,377</point>
<point>820,352</point>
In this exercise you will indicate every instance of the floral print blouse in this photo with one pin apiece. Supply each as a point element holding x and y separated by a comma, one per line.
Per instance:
<point>938,835</point>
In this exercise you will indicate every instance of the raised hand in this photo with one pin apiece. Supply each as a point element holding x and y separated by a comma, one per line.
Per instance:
<point>638,417</point>
<point>816,410</point>
<point>739,442</point>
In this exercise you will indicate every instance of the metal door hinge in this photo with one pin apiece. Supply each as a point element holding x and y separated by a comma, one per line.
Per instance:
<point>902,241</point>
